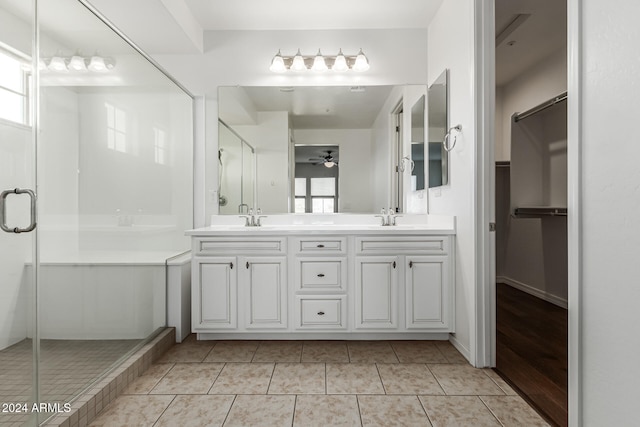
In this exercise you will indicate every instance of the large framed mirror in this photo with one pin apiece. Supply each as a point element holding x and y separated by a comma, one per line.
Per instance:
<point>438,124</point>
<point>298,131</point>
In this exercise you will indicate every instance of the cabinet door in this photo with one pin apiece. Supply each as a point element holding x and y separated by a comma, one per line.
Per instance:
<point>376,292</point>
<point>214,293</point>
<point>264,287</point>
<point>428,295</point>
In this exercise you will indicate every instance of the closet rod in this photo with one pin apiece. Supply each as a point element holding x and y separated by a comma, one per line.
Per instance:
<point>543,106</point>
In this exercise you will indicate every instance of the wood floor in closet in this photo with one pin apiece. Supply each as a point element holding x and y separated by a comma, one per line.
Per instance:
<point>531,350</point>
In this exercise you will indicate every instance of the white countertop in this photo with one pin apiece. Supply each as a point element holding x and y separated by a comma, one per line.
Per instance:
<point>328,224</point>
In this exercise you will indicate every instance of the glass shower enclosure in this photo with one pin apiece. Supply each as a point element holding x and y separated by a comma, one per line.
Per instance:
<point>236,172</point>
<point>96,182</point>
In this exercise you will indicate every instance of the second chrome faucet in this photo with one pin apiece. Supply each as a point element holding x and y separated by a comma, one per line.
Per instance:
<point>388,218</point>
<point>252,220</point>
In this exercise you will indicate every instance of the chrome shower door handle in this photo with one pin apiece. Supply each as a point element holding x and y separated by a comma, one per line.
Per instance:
<point>3,211</point>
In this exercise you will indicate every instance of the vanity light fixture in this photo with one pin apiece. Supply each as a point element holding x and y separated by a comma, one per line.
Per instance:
<point>78,64</point>
<point>319,62</point>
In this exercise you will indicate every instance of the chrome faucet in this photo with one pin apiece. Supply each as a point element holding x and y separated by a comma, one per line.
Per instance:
<point>252,220</point>
<point>388,218</point>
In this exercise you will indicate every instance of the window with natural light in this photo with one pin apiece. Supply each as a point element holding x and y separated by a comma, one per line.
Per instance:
<point>315,195</point>
<point>14,89</point>
<point>160,146</point>
<point>116,128</point>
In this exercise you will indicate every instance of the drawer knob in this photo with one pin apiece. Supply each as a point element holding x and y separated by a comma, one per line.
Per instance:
<point>321,313</point>
<point>320,246</point>
<point>321,275</point>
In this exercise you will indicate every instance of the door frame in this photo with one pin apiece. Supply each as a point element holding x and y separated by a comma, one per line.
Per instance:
<point>485,319</point>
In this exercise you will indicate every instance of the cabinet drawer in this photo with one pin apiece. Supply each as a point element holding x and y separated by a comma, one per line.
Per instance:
<point>240,246</point>
<point>436,245</point>
<point>321,313</point>
<point>318,274</point>
<point>321,246</point>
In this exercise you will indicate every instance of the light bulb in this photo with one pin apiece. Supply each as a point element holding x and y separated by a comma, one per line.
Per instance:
<point>298,63</point>
<point>318,63</point>
<point>97,64</point>
<point>362,63</point>
<point>77,64</point>
<point>340,63</point>
<point>329,164</point>
<point>277,64</point>
<point>58,64</point>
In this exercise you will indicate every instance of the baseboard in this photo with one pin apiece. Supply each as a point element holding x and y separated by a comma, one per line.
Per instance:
<point>553,299</point>
<point>461,348</point>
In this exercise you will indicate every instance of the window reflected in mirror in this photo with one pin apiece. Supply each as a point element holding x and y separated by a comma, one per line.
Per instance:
<point>316,178</point>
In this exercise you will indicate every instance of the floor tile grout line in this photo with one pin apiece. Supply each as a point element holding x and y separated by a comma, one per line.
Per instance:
<point>273,371</point>
<point>165,409</point>
<point>224,365</point>
<point>490,410</point>
<point>381,381</point>
<point>293,415</point>
<point>436,378</point>
<point>229,410</point>
<point>424,409</point>
<point>359,410</point>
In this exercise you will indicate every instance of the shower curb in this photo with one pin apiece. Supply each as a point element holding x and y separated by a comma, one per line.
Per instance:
<point>88,406</point>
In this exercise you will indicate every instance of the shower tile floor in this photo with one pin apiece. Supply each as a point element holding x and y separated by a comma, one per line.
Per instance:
<point>66,368</point>
<point>317,383</point>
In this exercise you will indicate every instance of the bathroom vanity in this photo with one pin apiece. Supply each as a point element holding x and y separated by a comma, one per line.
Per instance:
<point>324,277</point>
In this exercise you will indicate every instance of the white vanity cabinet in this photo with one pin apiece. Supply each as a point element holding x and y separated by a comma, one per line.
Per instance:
<point>324,283</point>
<point>320,279</point>
<point>239,284</point>
<point>376,292</point>
<point>419,274</point>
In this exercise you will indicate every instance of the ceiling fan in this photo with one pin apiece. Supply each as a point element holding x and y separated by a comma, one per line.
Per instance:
<point>328,160</point>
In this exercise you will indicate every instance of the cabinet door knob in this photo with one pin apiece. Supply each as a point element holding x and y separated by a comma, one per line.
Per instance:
<point>321,313</point>
<point>410,264</point>
<point>247,264</point>
<point>321,275</point>
<point>394,264</point>
<point>231,265</point>
<point>320,246</point>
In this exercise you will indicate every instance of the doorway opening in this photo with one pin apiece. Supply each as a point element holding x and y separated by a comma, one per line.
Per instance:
<point>531,203</point>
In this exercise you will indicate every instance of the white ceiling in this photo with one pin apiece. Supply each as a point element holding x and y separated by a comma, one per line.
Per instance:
<point>540,35</point>
<point>309,107</point>
<point>312,15</point>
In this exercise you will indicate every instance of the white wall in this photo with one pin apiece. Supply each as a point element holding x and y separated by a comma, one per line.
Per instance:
<point>539,84</point>
<point>609,179</point>
<point>451,45</point>
<point>355,188</point>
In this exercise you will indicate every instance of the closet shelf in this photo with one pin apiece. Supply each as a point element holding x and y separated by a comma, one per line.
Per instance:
<point>539,211</point>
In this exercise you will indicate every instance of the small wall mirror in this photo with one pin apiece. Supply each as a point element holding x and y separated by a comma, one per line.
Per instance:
<point>417,145</point>
<point>438,121</point>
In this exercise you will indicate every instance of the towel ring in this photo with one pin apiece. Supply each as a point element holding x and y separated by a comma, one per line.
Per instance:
<point>447,137</point>
<point>402,168</point>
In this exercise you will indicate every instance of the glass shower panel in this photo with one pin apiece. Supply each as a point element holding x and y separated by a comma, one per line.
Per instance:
<point>115,187</point>
<point>248,175</point>
<point>230,172</point>
<point>18,388</point>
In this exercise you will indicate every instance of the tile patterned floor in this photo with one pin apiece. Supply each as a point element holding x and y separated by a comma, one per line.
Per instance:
<point>317,383</point>
<point>66,368</point>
